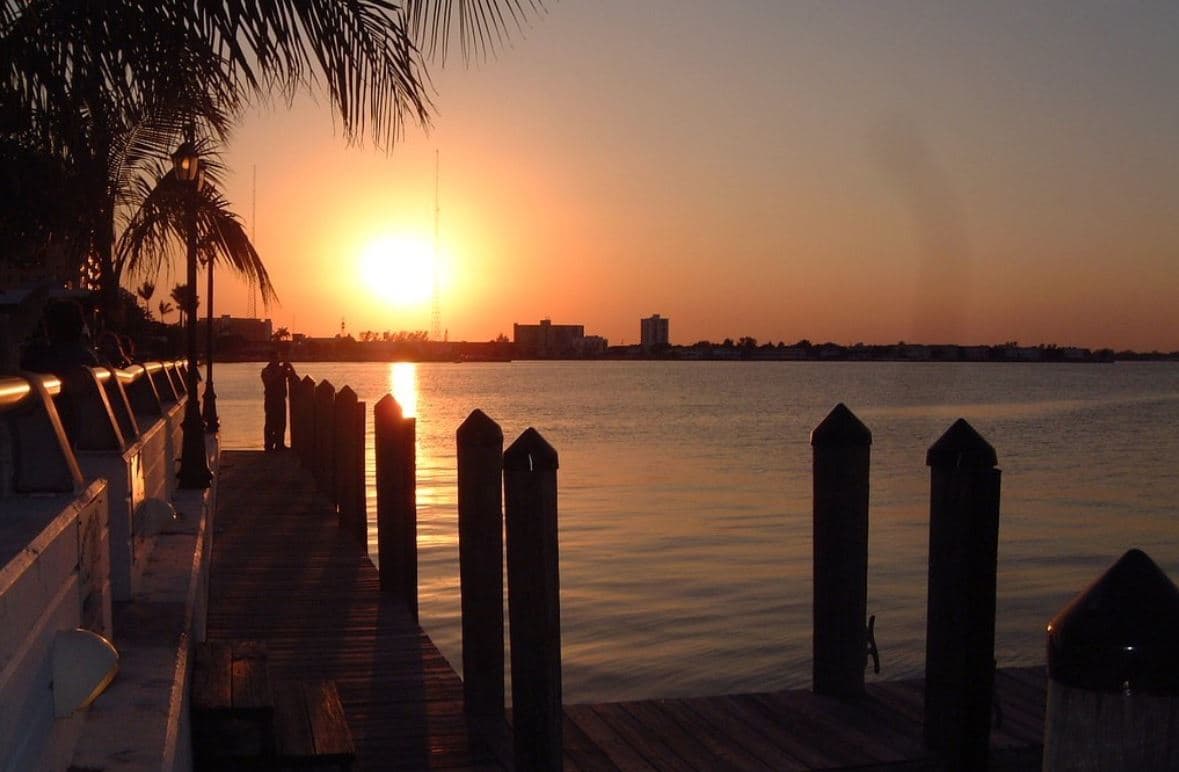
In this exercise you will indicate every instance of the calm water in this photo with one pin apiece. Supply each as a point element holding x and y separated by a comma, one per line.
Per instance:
<point>685,499</point>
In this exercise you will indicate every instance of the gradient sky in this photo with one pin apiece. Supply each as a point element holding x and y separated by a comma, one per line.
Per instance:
<point>836,171</point>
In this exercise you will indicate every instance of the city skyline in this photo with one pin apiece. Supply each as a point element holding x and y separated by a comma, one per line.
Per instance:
<point>782,171</point>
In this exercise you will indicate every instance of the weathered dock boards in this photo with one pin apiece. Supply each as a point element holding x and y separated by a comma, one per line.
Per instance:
<point>284,573</point>
<point>794,730</point>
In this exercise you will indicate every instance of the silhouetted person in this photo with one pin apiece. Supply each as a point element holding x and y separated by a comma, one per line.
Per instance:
<point>274,385</point>
<point>110,350</point>
<point>128,348</point>
<point>67,347</point>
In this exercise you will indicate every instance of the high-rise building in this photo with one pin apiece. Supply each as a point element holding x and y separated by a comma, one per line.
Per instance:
<point>653,332</point>
<point>547,339</point>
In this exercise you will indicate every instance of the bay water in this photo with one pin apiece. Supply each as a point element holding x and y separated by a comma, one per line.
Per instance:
<point>685,498</point>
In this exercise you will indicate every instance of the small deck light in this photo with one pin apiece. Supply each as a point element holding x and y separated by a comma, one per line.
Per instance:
<point>84,664</point>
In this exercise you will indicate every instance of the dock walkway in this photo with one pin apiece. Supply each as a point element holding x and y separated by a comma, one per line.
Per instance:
<point>284,573</point>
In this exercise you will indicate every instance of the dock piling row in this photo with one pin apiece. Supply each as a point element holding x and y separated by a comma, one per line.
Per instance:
<point>514,492</point>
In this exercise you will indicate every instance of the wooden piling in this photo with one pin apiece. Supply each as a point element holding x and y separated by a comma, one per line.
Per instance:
<point>295,401</point>
<point>480,446</point>
<point>530,492</point>
<point>324,468</point>
<point>1113,686</point>
<point>841,446</point>
<point>960,624</point>
<point>394,438</point>
<point>306,446</point>
<point>348,461</point>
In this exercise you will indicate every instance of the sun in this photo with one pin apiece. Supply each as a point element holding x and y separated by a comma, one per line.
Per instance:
<point>398,269</point>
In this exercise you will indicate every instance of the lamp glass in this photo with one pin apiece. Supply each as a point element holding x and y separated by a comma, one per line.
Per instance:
<point>186,162</point>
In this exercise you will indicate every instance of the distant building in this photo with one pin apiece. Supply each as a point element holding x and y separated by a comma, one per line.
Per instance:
<point>591,345</point>
<point>653,332</point>
<point>245,329</point>
<point>547,339</point>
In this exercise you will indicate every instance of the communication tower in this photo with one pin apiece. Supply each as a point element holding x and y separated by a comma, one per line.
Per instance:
<point>436,316</point>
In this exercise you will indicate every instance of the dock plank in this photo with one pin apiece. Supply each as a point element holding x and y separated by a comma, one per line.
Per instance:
<point>285,575</point>
<point>613,745</point>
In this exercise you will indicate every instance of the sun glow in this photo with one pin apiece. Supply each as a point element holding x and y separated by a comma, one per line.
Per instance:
<point>399,269</point>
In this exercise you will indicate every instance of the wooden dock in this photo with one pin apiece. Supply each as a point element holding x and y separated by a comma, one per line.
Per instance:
<point>285,574</point>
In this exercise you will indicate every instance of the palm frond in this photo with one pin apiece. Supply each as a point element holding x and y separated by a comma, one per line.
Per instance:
<point>223,240</point>
<point>483,25</point>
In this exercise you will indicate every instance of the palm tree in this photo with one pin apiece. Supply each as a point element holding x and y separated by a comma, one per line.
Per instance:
<point>144,292</point>
<point>282,333</point>
<point>93,97</point>
<point>159,228</point>
<point>165,309</point>
<point>184,299</point>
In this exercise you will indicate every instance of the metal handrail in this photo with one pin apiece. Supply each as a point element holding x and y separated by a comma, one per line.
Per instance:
<point>15,389</point>
<point>129,375</point>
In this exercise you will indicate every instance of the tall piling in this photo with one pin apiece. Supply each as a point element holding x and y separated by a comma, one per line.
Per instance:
<point>960,623</point>
<point>306,445</point>
<point>324,468</point>
<point>480,445</point>
<point>841,445</point>
<point>394,438</point>
<point>534,613</point>
<point>348,462</point>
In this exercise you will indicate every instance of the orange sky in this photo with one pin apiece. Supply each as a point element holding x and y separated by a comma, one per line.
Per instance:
<point>845,172</point>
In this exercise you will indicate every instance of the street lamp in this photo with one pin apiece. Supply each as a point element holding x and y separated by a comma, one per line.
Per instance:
<point>194,465</point>
<point>212,422</point>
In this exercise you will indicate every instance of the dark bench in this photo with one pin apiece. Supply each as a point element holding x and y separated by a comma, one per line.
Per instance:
<point>310,728</point>
<point>241,721</point>
<point>232,704</point>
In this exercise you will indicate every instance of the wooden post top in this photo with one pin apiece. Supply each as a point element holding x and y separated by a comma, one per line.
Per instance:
<point>531,453</point>
<point>346,394</point>
<point>325,387</point>
<point>387,408</point>
<point>841,427</point>
<point>961,446</point>
<point>1122,633</point>
<point>480,430</point>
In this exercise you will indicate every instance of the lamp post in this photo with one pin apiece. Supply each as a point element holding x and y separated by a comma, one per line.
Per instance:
<point>194,466</point>
<point>212,422</point>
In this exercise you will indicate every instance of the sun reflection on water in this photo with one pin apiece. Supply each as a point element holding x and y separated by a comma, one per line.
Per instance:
<point>403,379</point>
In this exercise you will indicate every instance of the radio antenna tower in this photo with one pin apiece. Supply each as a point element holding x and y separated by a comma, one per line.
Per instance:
<point>436,316</point>
<point>252,311</point>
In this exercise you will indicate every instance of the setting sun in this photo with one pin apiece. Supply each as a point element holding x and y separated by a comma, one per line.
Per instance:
<point>398,269</point>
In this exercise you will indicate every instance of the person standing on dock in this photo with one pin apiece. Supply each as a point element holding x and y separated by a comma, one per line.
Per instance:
<point>274,385</point>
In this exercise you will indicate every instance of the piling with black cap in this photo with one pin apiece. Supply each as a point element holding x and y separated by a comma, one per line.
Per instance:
<point>1113,673</point>
<point>841,446</point>
<point>960,623</point>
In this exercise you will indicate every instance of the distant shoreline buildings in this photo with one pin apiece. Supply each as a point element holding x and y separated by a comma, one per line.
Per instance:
<point>546,340</point>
